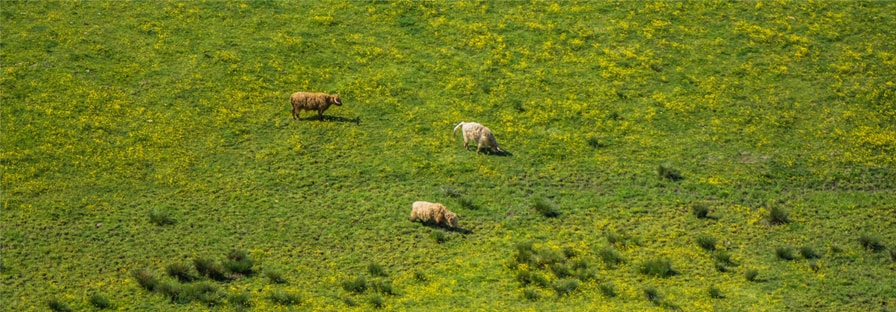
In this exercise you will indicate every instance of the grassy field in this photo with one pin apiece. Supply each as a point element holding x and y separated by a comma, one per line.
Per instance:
<point>660,155</point>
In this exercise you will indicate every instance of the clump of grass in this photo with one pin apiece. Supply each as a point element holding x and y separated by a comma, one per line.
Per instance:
<point>376,270</point>
<point>701,211</point>
<point>204,292</point>
<point>275,276</point>
<point>377,301</point>
<point>420,276</point>
<point>653,295</point>
<point>438,236</point>
<point>715,292</point>
<point>658,267</point>
<point>607,289</point>
<point>531,294</point>
<point>565,287</point>
<point>100,301</point>
<point>871,242</point>
<point>778,215</point>
<point>357,285</point>
<point>545,207</point>
<point>706,242</point>
<point>752,275</point>
<point>785,253</point>
<point>814,265</point>
<point>450,191</point>
<point>161,217</point>
<point>667,172</point>
<point>809,253</point>
<point>240,301</point>
<point>467,203</point>
<point>179,271</point>
<point>892,252</point>
<point>57,305</point>
<point>539,280</point>
<point>723,257</point>
<point>610,256</point>
<point>285,298</point>
<point>238,262</point>
<point>383,287</point>
<point>349,302</point>
<point>174,291</point>
<point>594,142</point>
<point>147,280</point>
<point>210,269</point>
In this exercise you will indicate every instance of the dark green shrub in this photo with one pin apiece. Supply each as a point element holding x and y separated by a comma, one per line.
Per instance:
<point>240,301</point>
<point>752,275</point>
<point>560,269</point>
<point>357,285</point>
<point>721,267</point>
<point>814,266</point>
<point>785,253</point>
<point>525,253</point>
<point>706,242</point>
<point>349,302</point>
<point>539,280</point>
<point>161,217</point>
<point>778,215</point>
<point>285,298</point>
<point>667,172</point>
<point>204,292</point>
<point>179,271</point>
<point>376,269</point>
<point>594,142</point>
<point>809,253</point>
<point>715,292</point>
<point>610,256</point>
<point>209,268</point>
<point>57,305</point>
<point>701,211</point>
<point>653,295</point>
<point>420,276</point>
<point>275,276</point>
<point>438,236</point>
<point>892,252</point>
<point>467,203</point>
<point>239,262</point>
<point>377,301</point>
<point>175,292</point>
<point>871,242</point>
<point>565,287</point>
<point>607,289</point>
<point>146,280</point>
<point>545,207</point>
<point>658,267</point>
<point>100,301</point>
<point>531,294</point>
<point>383,287</point>
<point>723,257</point>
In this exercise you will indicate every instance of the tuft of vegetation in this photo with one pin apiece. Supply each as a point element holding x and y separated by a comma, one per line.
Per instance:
<point>275,276</point>
<point>383,287</point>
<point>57,305</point>
<point>146,279</point>
<point>607,289</point>
<point>545,207</point>
<point>667,172</point>
<point>100,301</point>
<point>240,301</point>
<point>420,276</point>
<point>715,293</point>
<point>701,211</point>
<point>706,242</point>
<point>467,203</point>
<point>438,236</point>
<point>778,215</point>
<point>752,275</point>
<point>871,242</point>
<point>611,256</point>
<point>892,253</point>
<point>210,269</point>
<point>285,298</point>
<point>594,142</point>
<point>658,267</point>
<point>356,285</point>
<point>653,295</point>
<point>723,257</point>
<point>377,301</point>
<point>376,270</point>
<point>179,271</point>
<point>161,217</point>
<point>565,287</point>
<point>809,253</point>
<point>449,191</point>
<point>785,253</point>
<point>238,262</point>
<point>531,294</point>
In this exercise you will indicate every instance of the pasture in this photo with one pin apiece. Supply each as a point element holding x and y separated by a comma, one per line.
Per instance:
<point>659,155</point>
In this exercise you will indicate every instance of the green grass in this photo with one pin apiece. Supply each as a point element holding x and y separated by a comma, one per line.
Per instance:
<point>136,135</point>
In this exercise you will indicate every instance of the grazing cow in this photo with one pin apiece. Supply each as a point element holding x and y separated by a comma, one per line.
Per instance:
<point>478,133</point>
<point>427,212</point>
<point>312,102</point>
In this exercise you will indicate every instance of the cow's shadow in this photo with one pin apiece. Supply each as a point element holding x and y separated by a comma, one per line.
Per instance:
<point>447,228</point>
<point>489,152</point>
<point>356,120</point>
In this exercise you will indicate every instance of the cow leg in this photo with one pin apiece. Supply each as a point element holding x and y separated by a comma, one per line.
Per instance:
<point>320,115</point>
